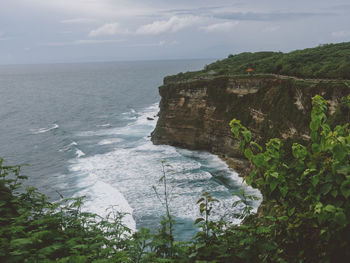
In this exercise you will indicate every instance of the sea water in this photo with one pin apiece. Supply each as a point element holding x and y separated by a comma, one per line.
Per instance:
<point>84,130</point>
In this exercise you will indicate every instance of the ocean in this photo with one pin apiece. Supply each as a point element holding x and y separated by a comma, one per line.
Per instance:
<point>84,130</point>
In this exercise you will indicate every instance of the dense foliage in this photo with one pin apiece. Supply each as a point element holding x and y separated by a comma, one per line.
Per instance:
<point>330,61</point>
<point>304,218</point>
<point>308,206</point>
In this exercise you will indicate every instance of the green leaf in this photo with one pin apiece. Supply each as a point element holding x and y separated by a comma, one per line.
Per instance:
<point>345,170</point>
<point>291,211</point>
<point>256,145</point>
<point>198,220</point>
<point>200,245</point>
<point>299,151</point>
<point>329,208</point>
<point>340,151</point>
<point>318,207</point>
<point>200,200</point>
<point>340,218</point>
<point>314,125</point>
<point>248,153</point>
<point>273,185</point>
<point>325,189</point>
<point>263,230</point>
<point>247,135</point>
<point>21,242</point>
<point>334,193</point>
<point>274,174</point>
<point>314,180</point>
<point>283,218</point>
<point>241,145</point>
<point>283,190</point>
<point>345,188</point>
<point>259,160</point>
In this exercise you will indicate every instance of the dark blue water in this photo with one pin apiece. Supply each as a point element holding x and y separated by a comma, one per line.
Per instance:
<point>83,130</point>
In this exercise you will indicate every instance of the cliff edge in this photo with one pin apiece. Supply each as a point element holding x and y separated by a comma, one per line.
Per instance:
<point>195,114</point>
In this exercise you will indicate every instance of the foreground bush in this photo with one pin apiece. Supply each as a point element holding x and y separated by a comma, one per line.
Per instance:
<point>307,208</point>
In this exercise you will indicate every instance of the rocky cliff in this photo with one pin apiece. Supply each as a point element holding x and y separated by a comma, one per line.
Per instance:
<point>196,114</point>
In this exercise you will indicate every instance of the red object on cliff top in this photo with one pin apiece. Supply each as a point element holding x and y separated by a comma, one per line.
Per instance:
<point>250,70</point>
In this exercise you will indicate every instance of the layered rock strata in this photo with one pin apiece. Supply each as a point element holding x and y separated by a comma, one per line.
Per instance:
<point>196,114</point>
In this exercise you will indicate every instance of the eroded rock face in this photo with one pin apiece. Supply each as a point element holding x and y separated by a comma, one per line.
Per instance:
<point>196,114</point>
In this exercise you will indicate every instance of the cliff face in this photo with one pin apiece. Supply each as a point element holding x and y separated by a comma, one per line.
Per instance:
<point>196,114</point>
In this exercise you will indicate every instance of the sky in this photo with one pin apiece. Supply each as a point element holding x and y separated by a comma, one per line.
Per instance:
<point>60,31</point>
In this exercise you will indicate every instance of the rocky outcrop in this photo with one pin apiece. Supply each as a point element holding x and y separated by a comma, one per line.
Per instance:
<point>196,114</point>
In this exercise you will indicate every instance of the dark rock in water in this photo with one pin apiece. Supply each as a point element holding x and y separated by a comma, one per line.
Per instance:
<point>150,119</point>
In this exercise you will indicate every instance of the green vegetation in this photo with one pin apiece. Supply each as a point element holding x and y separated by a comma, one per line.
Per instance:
<point>304,217</point>
<point>330,61</point>
<point>307,210</point>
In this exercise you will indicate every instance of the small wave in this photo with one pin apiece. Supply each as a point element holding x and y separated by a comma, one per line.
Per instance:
<point>79,153</point>
<point>42,130</point>
<point>104,125</point>
<point>68,147</point>
<point>138,127</point>
<point>130,115</point>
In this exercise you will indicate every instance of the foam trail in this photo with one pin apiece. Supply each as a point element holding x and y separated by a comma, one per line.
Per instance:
<point>43,130</point>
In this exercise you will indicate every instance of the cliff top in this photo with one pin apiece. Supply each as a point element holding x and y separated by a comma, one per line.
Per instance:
<point>329,61</point>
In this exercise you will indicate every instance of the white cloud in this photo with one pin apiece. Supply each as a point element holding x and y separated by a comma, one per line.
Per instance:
<point>108,30</point>
<point>223,27</point>
<point>101,9</point>
<point>157,44</point>
<point>174,24</point>
<point>78,21</point>
<point>82,42</point>
<point>98,41</point>
<point>341,34</point>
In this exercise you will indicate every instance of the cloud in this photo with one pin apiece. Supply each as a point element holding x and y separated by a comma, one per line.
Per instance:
<point>108,30</point>
<point>269,16</point>
<point>82,42</point>
<point>79,21</point>
<point>97,41</point>
<point>174,24</point>
<point>223,27</point>
<point>341,34</point>
<point>101,9</point>
<point>158,44</point>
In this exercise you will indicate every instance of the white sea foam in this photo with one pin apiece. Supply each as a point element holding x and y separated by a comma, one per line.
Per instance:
<point>101,197</point>
<point>110,141</point>
<point>104,125</point>
<point>130,172</point>
<point>79,153</point>
<point>43,130</point>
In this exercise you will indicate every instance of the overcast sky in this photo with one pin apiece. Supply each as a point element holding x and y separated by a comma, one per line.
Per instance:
<point>45,31</point>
